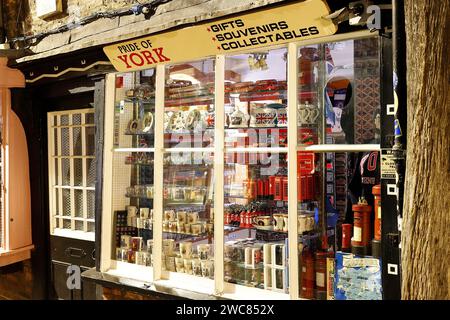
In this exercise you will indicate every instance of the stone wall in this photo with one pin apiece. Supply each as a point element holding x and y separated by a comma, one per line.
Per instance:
<point>107,30</point>
<point>73,11</point>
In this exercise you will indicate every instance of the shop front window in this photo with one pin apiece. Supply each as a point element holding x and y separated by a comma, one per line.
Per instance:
<point>188,214</point>
<point>232,190</point>
<point>132,167</point>
<point>255,188</point>
<point>338,165</point>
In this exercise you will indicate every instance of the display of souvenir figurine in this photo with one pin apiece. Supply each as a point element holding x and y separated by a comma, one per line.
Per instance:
<point>307,114</point>
<point>238,119</point>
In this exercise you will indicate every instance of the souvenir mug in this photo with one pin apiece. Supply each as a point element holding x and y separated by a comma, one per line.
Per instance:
<point>262,221</point>
<point>180,227</point>
<point>203,251</point>
<point>181,216</point>
<point>209,227</point>
<point>196,228</point>
<point>196,267</point>
<point>207,268</point>
<point>179,264</point>
<point>279,222</point>
<point>172,226</point>
<point>186,249</point>
<point>192,217</point>
<point>187,265</point>
<point>169,215</point>
<point>144,213</point>
<point>170,263</point>
<point>168,246</point>
<point>285,222</point>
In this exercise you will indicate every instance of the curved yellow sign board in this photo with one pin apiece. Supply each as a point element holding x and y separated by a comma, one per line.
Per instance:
<point>279,25</point>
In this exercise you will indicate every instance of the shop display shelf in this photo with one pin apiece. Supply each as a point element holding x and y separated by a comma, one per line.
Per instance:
<point>140,100</point>
<point>182,203</point>
<point>258,128</point>
<point>189,101</point>
<point>148,134</point>
<point>187,235</point>
<point>137,197</point>
<point>229,227</point>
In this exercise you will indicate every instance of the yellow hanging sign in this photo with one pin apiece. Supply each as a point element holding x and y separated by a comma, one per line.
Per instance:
<point>279,25</point>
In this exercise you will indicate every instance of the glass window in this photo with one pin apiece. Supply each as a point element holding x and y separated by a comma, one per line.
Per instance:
<point>188,215</point>
<point>132,163</point>
<point>255,187</point>
<point>72,143</point>
<point>339,93</point>
<point>338,104</point>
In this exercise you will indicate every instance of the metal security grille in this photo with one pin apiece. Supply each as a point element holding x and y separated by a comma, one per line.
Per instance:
<point>71,159</point>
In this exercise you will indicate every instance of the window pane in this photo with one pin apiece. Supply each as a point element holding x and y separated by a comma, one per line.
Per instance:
<point>89,118</point>
<point>64,120</point>
<point>91,227</point>
<point>189,105</point>
<point>78,172</point>
<point>76,119</point>
<point>55,138</point>
<point>135,110</point>
<point>65,142</point>
<point>77,144</point>
<point>66,202</point>
<point>79,225</point>
<point>188,217</point>
<point>90,141</point>
<point>91,171</point>
<point>65,167</point>
<point>256,99</point>
<point>78,203</point>
<point>90,204</point>
<point>66,224</point>
<point>339,92</point>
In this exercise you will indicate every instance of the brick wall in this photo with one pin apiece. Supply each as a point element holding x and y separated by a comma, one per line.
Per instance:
<point>16,281</point>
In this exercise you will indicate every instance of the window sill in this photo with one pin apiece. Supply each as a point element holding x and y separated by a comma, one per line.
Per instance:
<point>14,256</point>
<point>179,285</point>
